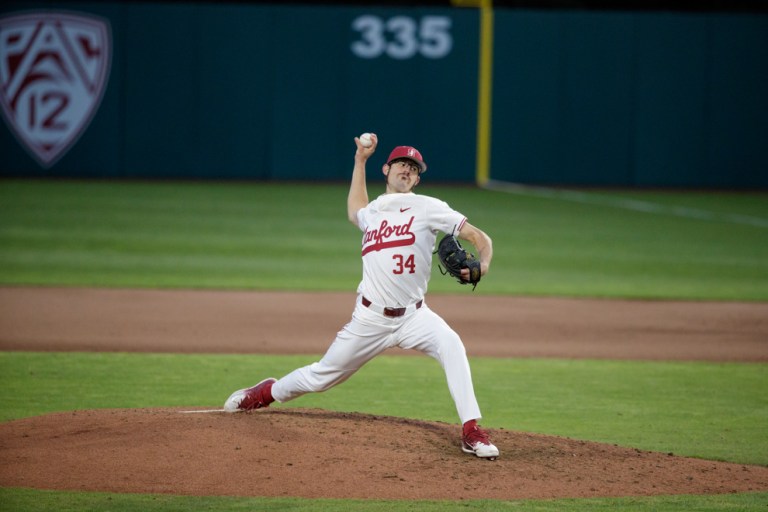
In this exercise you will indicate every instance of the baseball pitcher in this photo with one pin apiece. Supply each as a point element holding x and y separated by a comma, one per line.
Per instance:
<point>399,236</point>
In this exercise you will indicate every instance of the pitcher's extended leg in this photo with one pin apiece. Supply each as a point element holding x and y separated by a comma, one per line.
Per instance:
<point>429,333</point>
<point>357,343</point>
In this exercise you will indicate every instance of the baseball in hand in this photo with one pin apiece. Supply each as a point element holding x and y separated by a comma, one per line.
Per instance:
<point>365,140</point>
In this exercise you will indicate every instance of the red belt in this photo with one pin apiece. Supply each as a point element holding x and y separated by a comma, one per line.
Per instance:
<point>392,311</point>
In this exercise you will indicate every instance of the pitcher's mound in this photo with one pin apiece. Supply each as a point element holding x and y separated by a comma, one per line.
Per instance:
<point>323,454</point>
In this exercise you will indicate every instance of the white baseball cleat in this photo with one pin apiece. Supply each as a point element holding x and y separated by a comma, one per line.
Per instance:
<point>477,442</point>
<point>255,397</point>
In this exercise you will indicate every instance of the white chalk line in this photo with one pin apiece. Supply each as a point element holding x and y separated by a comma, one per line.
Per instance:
<point>626,204</point>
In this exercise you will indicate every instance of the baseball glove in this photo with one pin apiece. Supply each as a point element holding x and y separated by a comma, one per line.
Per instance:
<point>453,258</point>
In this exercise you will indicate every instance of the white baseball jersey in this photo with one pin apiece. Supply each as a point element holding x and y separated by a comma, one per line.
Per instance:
<point>399,233</point>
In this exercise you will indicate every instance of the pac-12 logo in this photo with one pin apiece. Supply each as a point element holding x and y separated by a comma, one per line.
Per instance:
<point>53,72</point>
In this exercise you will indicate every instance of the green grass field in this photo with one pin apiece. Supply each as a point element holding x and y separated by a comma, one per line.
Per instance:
<point>266,236</point>
<point>295,236</point>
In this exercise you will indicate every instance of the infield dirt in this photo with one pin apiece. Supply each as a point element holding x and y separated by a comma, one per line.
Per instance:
<point>316,453</point>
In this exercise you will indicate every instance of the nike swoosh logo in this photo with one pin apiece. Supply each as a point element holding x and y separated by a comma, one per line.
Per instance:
<point>404,209</point>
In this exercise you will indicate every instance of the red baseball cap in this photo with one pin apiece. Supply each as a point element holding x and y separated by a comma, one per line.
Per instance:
<point>408,152</point>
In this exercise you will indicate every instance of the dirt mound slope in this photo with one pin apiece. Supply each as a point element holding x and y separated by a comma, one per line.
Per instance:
<point>320,454</point>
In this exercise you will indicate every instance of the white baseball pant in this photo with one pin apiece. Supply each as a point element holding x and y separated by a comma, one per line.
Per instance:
<point>368,334</point>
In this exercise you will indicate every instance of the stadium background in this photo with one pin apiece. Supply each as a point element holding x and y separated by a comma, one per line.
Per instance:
<point>583,93</point>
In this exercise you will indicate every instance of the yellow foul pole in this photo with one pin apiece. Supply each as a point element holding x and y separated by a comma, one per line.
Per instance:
<point>484,92</point>
<point>484,87</point>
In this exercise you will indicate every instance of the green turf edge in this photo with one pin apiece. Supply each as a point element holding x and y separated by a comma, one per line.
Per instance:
<point>32,500</point>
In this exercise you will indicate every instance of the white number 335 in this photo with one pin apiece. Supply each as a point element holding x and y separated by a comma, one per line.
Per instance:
<point>401,37</point>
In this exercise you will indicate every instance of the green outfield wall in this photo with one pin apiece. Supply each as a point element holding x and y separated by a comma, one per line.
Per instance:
<point>621,98</point>
<point>277,92</point>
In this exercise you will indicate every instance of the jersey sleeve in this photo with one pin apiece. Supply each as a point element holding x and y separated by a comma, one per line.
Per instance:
<point>362,221</point>
<point>364,215</point>
<point>444,218</point>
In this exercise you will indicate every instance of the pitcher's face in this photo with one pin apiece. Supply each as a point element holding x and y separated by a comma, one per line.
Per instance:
<point>402,175</point>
